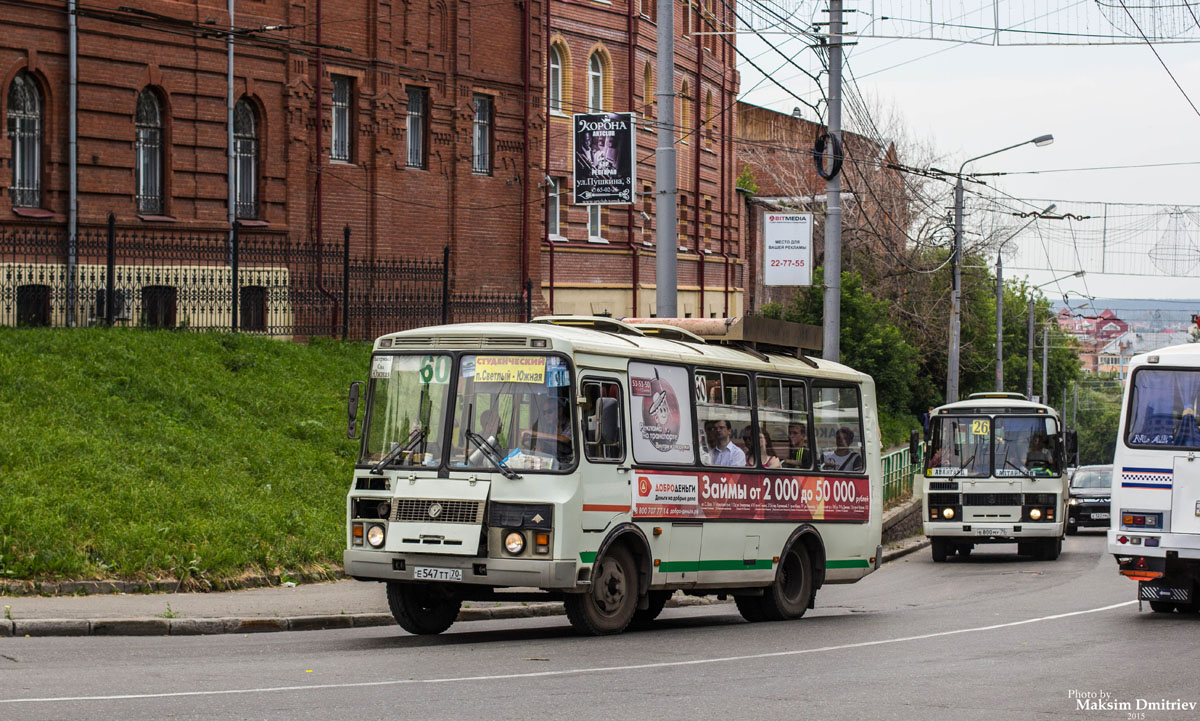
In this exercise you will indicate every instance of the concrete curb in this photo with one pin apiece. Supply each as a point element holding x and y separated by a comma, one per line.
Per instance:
<point>260,624</point>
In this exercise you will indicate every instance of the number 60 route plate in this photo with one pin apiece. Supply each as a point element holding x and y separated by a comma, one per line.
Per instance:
<point>425,573</point>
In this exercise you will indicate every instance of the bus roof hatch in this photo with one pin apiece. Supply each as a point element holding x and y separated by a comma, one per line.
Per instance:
<point>762,334</point>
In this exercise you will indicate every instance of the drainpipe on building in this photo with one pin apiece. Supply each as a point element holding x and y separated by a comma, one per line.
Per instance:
<point>319,112</point>
<point>526,69</point>
<point>630,24</point>
<point>546,235</point>
<point>698,140</point>
<point>73,172</point>
<point>725,147</point>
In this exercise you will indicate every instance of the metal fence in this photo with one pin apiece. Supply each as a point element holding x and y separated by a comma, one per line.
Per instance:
<point>247,280</point>
<point>898,471</point>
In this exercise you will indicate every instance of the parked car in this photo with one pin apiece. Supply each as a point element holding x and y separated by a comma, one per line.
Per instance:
<point>1091,487</point>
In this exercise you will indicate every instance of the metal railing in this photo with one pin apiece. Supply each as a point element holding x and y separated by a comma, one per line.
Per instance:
<point>898,471</point>
<point>249,281</point>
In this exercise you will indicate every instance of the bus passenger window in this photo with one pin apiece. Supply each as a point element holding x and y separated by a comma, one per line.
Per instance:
<point>723,409</point>
<point>839,429</point>
<point>603,428</point>
<point>783,424</point>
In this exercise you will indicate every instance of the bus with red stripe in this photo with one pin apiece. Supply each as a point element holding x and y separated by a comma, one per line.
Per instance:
<point>610,465</point>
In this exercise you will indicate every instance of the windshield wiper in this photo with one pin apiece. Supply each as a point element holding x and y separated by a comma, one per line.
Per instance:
<point>1023,471</point>
<point>417,436</point>
<point>963,467</point>
<point>489,451</point>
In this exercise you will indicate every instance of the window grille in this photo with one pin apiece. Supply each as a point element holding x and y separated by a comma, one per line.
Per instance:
<point>481,142</point>
<point>25,132</point>
<point>245,162</point>
<point>417,113</point>
<point>339,145</point>
<point>148,151</point>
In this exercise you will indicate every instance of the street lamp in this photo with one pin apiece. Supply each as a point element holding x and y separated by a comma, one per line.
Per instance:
<point>1029,359</point>
<point>1000,297</point>
<point>955,296</point>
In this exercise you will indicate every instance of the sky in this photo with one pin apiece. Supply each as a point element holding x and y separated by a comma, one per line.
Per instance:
<point>1105,106</point>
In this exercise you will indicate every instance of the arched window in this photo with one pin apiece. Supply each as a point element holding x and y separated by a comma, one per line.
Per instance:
<point>148,146</point>
<point>685,117</point>
<point>556,69</point>
<point>25,130</point>
<point>648,91</point>
<point>595,84</point>
<point>245,151</point>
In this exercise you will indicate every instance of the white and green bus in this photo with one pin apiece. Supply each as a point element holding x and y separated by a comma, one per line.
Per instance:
<point>996,472</point>
<point>609,465</point>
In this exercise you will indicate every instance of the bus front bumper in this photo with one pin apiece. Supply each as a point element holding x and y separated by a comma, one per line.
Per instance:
<point>990,532</point>
<point>498,572</point>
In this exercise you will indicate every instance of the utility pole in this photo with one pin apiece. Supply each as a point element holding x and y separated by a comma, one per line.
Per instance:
<point>665,192</point>
<point>1045,357</point>
<point>831,345</point>
<point>999,321</point>
<point>1029,360</point>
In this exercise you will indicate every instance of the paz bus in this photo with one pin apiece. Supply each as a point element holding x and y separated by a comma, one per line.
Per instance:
<point>996,473</point>
<point>607,465</point>
<point>1154,531</point>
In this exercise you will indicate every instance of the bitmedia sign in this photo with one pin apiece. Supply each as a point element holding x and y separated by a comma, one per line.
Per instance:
<point>605,169</point>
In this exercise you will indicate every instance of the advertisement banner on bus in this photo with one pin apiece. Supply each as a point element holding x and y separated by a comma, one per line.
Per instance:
<point>749,496</point>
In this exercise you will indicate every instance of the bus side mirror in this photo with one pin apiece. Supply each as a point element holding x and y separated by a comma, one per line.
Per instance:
<point>1072,442</point>
<point>352,410</point>
<point>914,446</point>
<point>610,424</point>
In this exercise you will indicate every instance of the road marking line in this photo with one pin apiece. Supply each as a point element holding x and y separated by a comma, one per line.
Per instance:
<point>567,672</point>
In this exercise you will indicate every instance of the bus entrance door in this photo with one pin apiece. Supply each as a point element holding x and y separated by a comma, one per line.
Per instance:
<point>1185,495</point>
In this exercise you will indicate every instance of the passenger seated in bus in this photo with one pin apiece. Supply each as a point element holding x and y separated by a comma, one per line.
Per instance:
<point>798,455</point>
<point>841,458</point>
<point>766,450</point>
<point>725,452</point>
<point>708,442</point>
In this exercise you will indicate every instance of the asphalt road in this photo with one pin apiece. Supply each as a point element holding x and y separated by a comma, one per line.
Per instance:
<point>989,637</point>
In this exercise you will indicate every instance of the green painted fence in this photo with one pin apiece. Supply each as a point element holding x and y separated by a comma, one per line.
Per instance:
<point>898,470</point>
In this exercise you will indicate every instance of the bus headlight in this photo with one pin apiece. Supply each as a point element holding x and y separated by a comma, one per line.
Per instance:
<point>514,542</point>
<point>375,536</point>
<point>948,513</point>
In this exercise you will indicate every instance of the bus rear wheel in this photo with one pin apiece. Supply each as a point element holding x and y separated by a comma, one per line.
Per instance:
<point>608,605</point>
<point>422,608</point>
<point>789,596</point>
<point>1162,606</point>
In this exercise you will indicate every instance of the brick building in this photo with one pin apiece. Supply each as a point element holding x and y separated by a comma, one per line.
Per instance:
<point>409,122</point>
<point>602,260</point>
<point>416,124</point>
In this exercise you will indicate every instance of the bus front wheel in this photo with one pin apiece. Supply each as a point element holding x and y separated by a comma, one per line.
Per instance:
<point>607,606</point>
<point>422,608</point>
<point>940,548</point>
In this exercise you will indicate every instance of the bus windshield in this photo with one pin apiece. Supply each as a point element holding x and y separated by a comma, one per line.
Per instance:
<point>960,446</point>
<point>520,406</point>
<point>1026,446</point>
<point>407,403</point>
<point>1162,408</point>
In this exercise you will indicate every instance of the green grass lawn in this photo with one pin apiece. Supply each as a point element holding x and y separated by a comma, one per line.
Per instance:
<point>139,454</point>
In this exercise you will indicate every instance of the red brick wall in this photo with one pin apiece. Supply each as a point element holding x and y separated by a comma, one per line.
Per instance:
<point>454,48</point>
<point>581,27</point>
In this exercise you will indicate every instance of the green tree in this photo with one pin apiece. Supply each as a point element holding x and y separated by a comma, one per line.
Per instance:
<point>871,343</point>
<point>1098,416</point>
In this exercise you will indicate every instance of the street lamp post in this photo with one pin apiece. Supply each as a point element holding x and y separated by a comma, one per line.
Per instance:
<point>1000,297</point>
<point>955,296</point>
